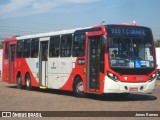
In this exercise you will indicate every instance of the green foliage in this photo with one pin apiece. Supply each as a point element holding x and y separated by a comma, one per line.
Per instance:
<point>157,43</point>
<point>1,44</point>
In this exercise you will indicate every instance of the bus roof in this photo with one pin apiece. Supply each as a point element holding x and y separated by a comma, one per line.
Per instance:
<point>47,34</point>
<point>50,33</point>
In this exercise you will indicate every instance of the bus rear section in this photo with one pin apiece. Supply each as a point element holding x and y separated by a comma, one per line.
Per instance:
<point>8,61</point>
<point>130,60</point>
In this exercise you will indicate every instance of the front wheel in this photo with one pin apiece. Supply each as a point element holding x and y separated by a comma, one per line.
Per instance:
<point>78,88</point>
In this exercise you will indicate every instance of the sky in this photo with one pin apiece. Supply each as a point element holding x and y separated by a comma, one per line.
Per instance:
<point>23,17</point>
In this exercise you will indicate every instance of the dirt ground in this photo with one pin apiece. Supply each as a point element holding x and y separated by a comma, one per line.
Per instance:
<point>13,99</point>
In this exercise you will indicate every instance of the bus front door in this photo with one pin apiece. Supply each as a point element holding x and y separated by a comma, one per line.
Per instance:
<point>95,63</point>
<point>43,63</point>
<point>11,63</point>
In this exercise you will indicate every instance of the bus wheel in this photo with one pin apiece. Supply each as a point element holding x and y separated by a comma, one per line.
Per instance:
<point>78,88</point>
<point>19,81</point>
<point>28,82</point>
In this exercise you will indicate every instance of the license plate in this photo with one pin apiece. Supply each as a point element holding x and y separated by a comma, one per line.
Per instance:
<point>133,89</point>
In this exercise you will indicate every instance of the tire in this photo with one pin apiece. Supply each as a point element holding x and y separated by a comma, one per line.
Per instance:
<point>28,82</point>
<point>78,88</point>
<point>19,81</point>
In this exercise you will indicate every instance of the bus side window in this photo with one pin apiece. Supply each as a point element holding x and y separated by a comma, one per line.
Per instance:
<point>6,50</point>
<point>26,49</point>
<point>54,46</point>
<point>20,49</point>
<point>79,45</point>
<point>34,47</point>
<point>66,44</point>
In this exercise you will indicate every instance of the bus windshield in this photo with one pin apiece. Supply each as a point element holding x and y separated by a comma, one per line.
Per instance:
<point>131,52</point>
<point>130,47</point>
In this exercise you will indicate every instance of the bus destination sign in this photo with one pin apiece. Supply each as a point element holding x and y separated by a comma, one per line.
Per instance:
<point>130,31</point>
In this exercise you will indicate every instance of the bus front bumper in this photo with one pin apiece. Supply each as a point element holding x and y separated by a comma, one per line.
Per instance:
<point>111,86</point>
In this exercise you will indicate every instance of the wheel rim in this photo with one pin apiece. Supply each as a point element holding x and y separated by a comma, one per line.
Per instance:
<point>80,87</point>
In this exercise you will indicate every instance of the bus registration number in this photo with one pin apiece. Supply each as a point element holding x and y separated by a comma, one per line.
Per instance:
<point>133,89</point>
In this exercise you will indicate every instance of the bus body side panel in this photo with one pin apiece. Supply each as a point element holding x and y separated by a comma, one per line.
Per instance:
<point>22,66</point>
<point>33,70</point>
<point>4,65</point>
<point>52,72</point>
<point>76,70</point>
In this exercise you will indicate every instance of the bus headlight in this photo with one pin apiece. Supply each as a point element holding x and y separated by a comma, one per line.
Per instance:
<point>152,77</point>
<point>112,76</point>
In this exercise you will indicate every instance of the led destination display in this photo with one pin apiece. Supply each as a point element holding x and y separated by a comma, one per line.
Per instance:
<point>128,31</point>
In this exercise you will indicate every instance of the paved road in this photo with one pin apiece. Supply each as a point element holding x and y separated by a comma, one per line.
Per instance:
<point>13,99</point>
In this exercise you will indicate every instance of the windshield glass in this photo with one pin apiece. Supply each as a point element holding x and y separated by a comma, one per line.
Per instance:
<point>131,52</point>
<point>130,46</point>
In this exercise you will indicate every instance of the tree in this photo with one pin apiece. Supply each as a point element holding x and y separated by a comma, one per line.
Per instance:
<point>157,43</point>
<point>1,44</point>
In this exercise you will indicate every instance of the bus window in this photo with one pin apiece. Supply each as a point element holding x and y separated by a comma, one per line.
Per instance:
<point>66,43</point>
<point>19,49</point>
<point>54,46</point>
<point>12,52</point>
<point>26,49</point>
<point>34,47</point>
<point>6,50</point>
<point>79,45</point>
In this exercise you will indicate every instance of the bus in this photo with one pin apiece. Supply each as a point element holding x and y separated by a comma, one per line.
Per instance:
<point>104,59</point>
<point>158,62</point>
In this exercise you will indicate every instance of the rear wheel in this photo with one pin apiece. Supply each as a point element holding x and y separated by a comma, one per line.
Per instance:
<point>28,82</point>
<point>19,81</point>
<point>78,88</point>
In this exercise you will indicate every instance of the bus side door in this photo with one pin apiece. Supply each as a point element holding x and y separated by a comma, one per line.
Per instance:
<point>95,64</point>
<point>11,70</point>
<point>43,61</point>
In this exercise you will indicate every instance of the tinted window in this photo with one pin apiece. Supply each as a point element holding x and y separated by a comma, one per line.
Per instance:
<point>26,49</point>
<point>131,52</point>
<point>34,47</point>
<point>54,46</point>
<point>19,49</point>
<point>79,45</point>
<point>12,47</point>
<point>6,50</point>
<point>44,50</point>
<point>66,43</point>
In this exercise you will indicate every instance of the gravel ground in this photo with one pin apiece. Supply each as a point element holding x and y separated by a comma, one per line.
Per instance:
<point>13,99</point>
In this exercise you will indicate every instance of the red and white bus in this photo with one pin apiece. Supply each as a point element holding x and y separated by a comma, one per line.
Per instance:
<point>100,59</point>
